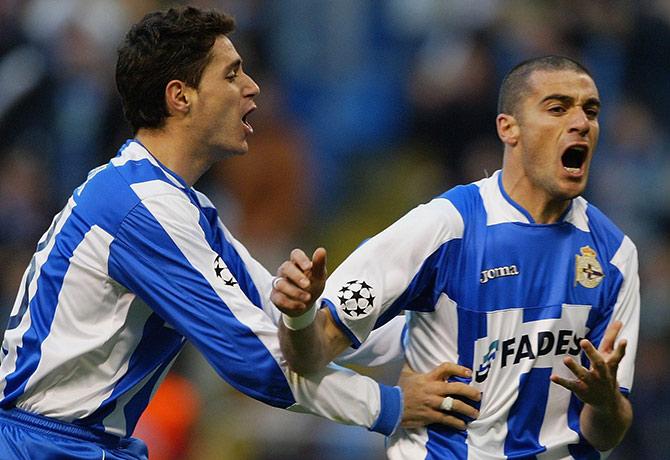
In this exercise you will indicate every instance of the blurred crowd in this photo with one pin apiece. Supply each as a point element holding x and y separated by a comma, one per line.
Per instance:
<point>367,108</point>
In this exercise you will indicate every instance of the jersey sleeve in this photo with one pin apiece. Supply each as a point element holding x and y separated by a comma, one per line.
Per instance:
<point>260,276</point>
<point>380,278</point>
<point>627,310</point>
<point>162,254</point>
<point>384,346</point>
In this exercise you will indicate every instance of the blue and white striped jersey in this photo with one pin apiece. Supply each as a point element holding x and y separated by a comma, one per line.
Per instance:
<point>487,287</point>
<point>134,265</point>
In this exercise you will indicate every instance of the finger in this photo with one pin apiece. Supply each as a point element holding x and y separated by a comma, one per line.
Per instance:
<point>611,333</point>
<point>464,408</point>
<point>451,421</point>
<point>287,305</point>
<point>319,264</point>
<point>439,390</point>
<point>462,389</point>
<point>293,274</point>
<point>446,370</point>
<point>299,258</point>
<point>577,369</point>
<point>457,405</point>
<point>290,290</point>
<point>431,416</point>
<point>571,385</point>
<point>619,353</point>
<point>596,358</point>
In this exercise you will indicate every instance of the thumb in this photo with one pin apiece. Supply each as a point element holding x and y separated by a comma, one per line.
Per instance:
<point>319,270</point>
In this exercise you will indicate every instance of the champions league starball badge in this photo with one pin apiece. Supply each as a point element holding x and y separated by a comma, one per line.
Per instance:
<point>223,273</point>
<point>356,298</point>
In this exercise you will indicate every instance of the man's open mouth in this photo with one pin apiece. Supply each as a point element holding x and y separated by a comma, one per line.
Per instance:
<point>574,157</point>
<point>246,123</point>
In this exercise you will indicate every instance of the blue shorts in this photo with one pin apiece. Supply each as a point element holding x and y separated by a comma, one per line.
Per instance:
<point>26,436</point>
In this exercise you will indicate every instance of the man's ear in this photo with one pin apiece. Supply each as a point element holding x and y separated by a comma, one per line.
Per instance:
<point>508,129</point>
<point>178,97</point>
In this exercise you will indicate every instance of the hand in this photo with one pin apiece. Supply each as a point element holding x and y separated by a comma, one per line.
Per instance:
<point>423,394</point>
<point>597,385</point>
<point>300,281</point>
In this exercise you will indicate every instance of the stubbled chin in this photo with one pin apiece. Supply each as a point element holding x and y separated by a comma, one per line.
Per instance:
<point>574,188</point>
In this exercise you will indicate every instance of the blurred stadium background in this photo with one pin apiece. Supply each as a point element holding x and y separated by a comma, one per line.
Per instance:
<point>367,108</point>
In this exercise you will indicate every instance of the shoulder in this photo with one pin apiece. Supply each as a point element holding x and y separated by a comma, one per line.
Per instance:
<point>605,232</point>
<point>129,182</point>
<point>600,224</point>
<point>468,199</point>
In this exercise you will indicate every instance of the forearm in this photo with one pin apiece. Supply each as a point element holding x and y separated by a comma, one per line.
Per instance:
<point>604,428</point>
<point>343,396</point>
<point>310,349</point>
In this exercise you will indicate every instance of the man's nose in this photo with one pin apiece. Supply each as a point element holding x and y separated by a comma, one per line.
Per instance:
<point>252,89</point>
<point>579,122</point>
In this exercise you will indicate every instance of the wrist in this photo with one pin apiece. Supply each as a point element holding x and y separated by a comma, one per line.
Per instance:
<point>295,323</point>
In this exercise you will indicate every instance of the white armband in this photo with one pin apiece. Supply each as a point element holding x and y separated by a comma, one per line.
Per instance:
<point>295,323</point>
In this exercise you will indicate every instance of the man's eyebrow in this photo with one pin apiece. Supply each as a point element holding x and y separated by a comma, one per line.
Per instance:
<point>565,99</point>
<point>592,102</point>
<point>569,100</point>
<point>234,65</point>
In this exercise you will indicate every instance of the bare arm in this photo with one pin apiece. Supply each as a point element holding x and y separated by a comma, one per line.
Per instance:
<point>607,414</point>
<point>299,283</point>
<point>312,348</point>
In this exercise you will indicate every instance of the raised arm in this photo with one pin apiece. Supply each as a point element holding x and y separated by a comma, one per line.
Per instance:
<point>607,414</point>
<point>309,339</point>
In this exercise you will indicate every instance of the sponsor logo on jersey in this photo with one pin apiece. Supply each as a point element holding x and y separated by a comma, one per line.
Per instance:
<point>356,298</point>
<point>497,272</point>
<point>588,271</point>
<point>513,350</point>
<point>221,271</point>
<point>488,358</point>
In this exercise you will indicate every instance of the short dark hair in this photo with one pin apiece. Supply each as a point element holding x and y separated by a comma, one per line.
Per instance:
<point>515,83</point>
<point>165,45</point>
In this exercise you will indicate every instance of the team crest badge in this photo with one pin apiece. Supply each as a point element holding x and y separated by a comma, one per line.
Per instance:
<point>356,298</point>
<point>588,271</point>
<point>221,271</point>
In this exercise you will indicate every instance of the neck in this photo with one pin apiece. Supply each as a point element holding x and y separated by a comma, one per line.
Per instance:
<point>175,152</point>
<point>543,208</point>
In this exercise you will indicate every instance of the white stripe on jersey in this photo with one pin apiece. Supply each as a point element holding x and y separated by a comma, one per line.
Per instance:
<point>498,209</point>
<point>77,353</point>
<point>115,423</point>
<point>440,326</point>
<point>555,433</point>
<point>626,261</point>
<point>135,152</point>
<point>577,215</point>
<point>13,339</point>
<point>259,274</point>
<point>407,444</point>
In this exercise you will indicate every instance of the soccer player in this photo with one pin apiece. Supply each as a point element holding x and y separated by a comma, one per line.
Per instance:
<point>516,276</point>
<point>138,262</point>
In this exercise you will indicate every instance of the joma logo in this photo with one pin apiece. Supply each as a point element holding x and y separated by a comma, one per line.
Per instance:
<point>491,273</point>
